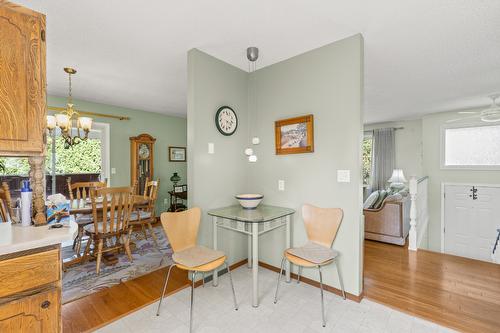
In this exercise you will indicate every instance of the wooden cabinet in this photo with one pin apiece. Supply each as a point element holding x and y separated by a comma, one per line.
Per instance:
<point>23,81</point>
<point>141,160</point>
<point>30,292</point>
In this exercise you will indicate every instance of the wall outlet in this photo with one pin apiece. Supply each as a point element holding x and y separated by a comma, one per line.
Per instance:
<point>343,176</point>
<point>281,185</point>
<point>165,202</point>
<point>113,171</point>
<point>211,148</point>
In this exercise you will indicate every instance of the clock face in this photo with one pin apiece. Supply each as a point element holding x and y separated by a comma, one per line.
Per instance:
<point>143,151</point>
<point>226,120</point>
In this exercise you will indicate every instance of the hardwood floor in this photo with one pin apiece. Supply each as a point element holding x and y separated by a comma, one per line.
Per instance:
<point>98,309</point>
<point>456,292</point>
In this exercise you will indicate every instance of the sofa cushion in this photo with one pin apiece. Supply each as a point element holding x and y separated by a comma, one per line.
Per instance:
<point>380,200</point>
<point>394,197</point>
<point>371,200</point>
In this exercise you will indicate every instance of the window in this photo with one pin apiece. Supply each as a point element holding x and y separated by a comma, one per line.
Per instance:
<point>472,147</point>
<point>367,158</point>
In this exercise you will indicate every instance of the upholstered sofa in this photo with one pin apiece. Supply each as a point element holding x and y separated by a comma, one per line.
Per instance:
<point>390,223</point>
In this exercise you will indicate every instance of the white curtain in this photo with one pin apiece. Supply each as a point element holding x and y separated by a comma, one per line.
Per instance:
<point>383,157</point>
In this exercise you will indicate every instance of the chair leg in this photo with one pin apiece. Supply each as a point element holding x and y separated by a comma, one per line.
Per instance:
<point>144,231</point>
<point>340,280</point>
<point>279,279</point>
<point>86,252</point>
<point>298,275</point>
<point>192,304</point>
<point>99,254</point>
<point>203,278</point>
<point>126,245</point>
<point>232,286</point>
<point>164,289</point>
<point>151,231</point>
<point>322,302</point>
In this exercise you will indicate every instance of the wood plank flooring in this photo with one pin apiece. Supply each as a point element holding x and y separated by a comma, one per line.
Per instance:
<point>456,292</point>
<point>98,309</point>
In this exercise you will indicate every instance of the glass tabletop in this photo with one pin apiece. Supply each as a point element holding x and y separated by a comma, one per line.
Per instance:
<point>262,213</point>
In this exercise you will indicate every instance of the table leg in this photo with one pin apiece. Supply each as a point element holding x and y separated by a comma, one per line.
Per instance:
<point>288,235</point>
<point>255,264</point>
<point>215,280</point>
<point>249,260</point>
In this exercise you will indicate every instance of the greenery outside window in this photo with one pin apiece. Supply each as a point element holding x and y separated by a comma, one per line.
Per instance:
<point>367,158</point>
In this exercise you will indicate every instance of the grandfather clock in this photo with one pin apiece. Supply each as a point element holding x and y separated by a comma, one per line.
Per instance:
<point>141,160</point>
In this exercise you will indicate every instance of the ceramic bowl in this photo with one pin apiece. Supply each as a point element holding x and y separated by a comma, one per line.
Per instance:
<point>249,201</point>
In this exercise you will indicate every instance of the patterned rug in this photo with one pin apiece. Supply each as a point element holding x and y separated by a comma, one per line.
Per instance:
<point>82,280</point>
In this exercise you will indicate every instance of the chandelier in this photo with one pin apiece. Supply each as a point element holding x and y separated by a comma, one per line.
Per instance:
<point>252,56</point>
<point>69,119</point>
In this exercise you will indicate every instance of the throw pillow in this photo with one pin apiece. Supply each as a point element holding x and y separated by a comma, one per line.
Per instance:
<point>380,200</point>
<point>394,197</point>
<point>371,200</point>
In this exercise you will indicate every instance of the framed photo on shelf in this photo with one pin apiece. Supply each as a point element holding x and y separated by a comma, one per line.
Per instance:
<point>184,188</point>
<point>177,154</point>
<point>178,189</point>
<point>294,135</point>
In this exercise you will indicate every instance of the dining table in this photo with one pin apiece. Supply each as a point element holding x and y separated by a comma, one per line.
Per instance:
<point>253,223</point>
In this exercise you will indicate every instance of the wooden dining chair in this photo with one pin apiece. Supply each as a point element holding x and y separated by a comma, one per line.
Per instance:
<point>6,211</point>
<point>144,215</point>
<point>81,190</point>
<point>110,227</point>
<point>321,226</point>
<point>182,231</point>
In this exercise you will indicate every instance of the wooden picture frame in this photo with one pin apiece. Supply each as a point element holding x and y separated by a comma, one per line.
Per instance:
<point>177,154</point>
<point>294,135</point>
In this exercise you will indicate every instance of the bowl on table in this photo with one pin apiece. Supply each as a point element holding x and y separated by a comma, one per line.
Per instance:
<point>249,201</point>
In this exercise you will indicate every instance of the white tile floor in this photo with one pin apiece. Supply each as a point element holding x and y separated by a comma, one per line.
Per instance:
<point>297,310</point>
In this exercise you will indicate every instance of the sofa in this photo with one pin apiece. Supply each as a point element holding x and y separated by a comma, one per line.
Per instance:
<point>388,220</point>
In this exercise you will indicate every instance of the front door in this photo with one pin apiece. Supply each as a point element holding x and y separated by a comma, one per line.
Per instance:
<point>472,217</point>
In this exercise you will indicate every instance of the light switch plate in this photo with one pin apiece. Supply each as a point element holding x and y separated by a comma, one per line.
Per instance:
<point>281,185</point>
<point>343,176</point>
<point>211,148</point>
<point>113,171</point>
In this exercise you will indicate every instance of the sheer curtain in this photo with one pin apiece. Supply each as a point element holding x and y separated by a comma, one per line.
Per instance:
<point>383,157</point>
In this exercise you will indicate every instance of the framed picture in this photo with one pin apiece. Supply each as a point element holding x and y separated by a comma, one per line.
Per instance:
<point>184,188</point>
<point>294,135</point>
<point>177,154</point>
<point>178,189</point>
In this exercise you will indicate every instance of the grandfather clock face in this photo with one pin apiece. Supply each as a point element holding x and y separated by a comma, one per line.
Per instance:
<point>144,151</point>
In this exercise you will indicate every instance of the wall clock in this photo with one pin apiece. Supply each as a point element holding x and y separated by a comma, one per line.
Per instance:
<point>226,120</point>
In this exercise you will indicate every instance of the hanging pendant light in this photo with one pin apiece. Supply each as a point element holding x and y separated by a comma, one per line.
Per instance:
<point>67,118</point>
<point>252,56</point>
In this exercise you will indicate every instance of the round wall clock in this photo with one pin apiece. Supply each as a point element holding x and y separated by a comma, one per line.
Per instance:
<point>226,120</point>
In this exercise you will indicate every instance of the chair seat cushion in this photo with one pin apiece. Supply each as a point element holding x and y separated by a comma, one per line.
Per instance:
<point>142,214</point>
<point>196,256</point>
<point>84,218</point>
<point>314,253</point>
<point>91,227</point>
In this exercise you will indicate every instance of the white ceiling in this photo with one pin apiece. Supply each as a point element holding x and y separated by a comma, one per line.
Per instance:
<point>421,56</point>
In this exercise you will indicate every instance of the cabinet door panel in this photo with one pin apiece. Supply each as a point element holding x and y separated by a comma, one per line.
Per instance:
<point>22,80</point>
<point>37,313</point>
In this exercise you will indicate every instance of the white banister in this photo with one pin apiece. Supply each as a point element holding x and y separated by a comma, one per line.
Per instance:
<point>412,235</point>
<point>419,214</point>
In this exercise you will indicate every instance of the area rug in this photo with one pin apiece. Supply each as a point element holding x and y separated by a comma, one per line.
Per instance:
<point>81,280</point>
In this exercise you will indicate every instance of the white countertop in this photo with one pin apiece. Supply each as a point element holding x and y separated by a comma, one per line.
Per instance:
<point>14,237</point>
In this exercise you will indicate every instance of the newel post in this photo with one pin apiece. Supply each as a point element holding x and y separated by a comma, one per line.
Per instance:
<point>412,236</point>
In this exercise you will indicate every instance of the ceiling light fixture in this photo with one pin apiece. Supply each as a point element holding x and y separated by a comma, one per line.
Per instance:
<point>67,118</point>
<point>252,56</point>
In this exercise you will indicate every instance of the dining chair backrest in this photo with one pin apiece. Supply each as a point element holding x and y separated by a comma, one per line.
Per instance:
<point>181,228</point>
<point>82,189</point>
<point>116,204</point>
<point>322,224</point>
<point>151,193</point>
<point>6,211</point>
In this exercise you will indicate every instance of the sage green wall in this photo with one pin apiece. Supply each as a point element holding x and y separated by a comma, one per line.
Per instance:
<point>408,148</point>
<point>326,82</point>
<point>431,133</point>
<point>214,179</point>
<point>168,131</point>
